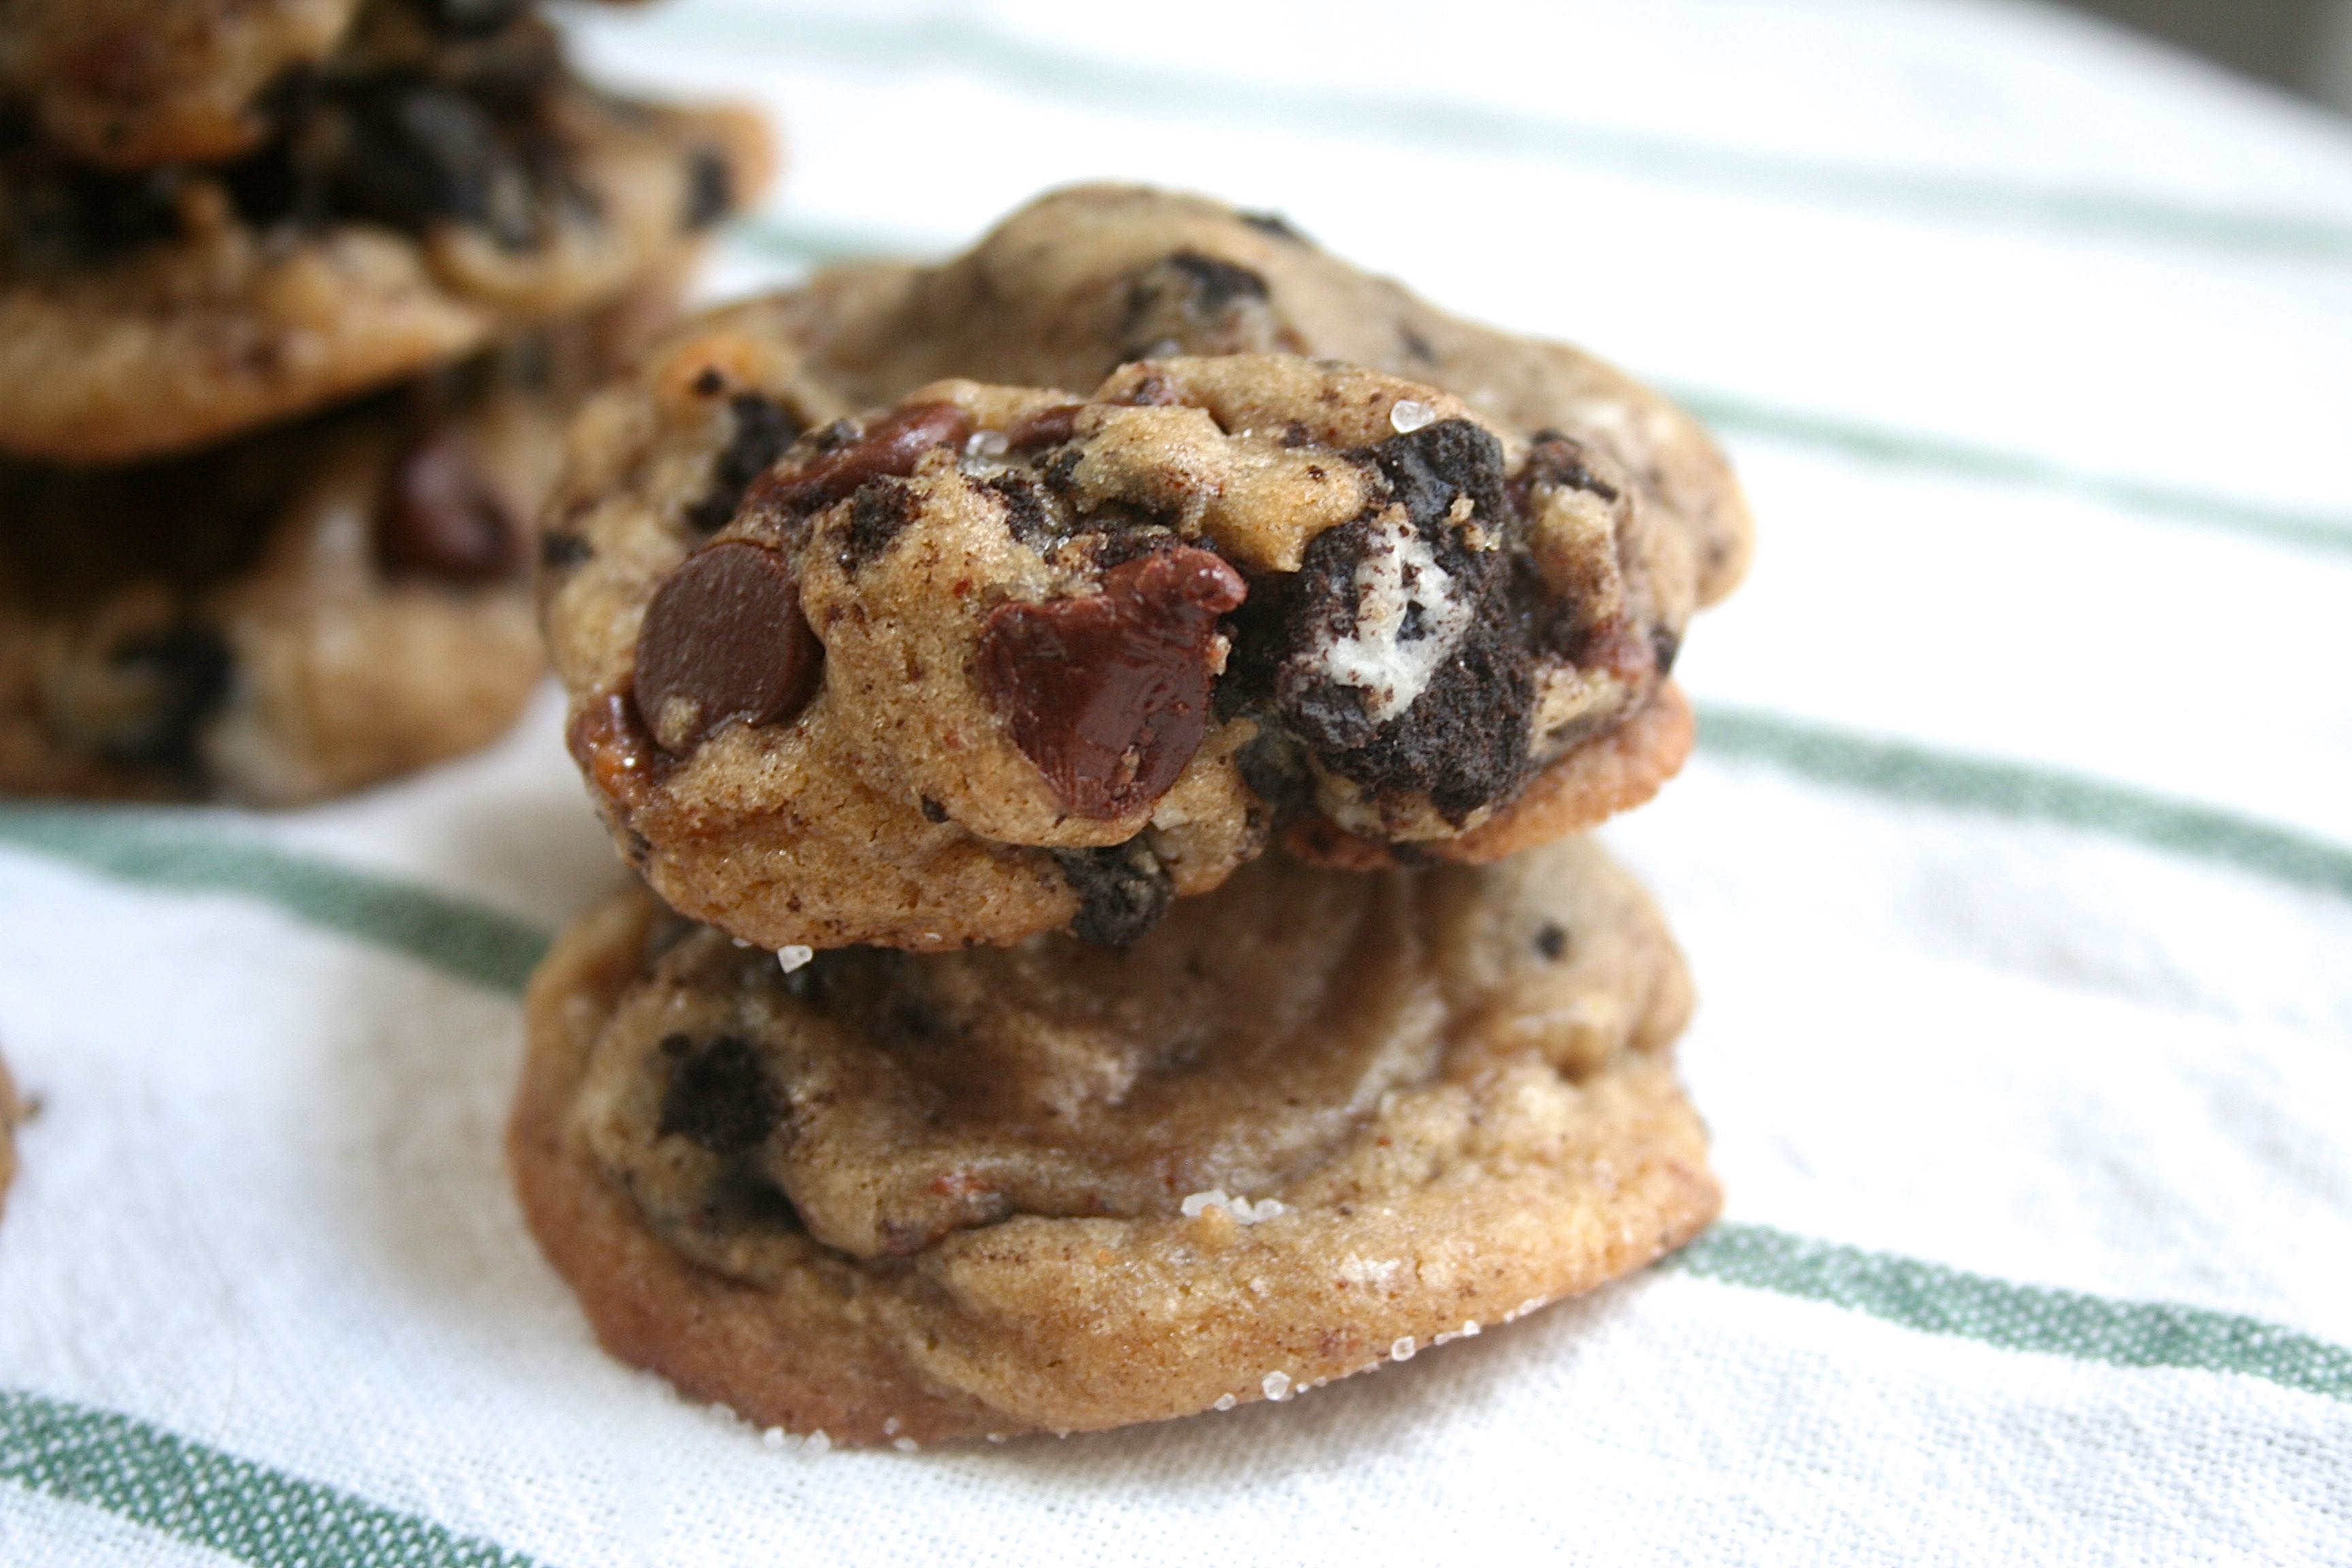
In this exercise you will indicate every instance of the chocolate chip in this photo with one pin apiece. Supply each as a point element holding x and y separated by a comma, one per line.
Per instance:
<point>933,811</point>
<point>1122,890</point>
<point>1552,941</point>
<point>1664,644</point>
<point>439,516</point>
<point>1216,283</point>
<point>879,510</point>
<point>719,1096</point>
<point>889,447</point>
<point>561,552</point>
<point>763,429</point>
<point>1108,694</point>
<point>1046,427</point>
<point>724,640</point>
<point>188,669</point>
<point>709,189</point>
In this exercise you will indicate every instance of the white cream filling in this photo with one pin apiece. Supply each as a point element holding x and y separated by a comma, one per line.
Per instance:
<point>1397,574</point>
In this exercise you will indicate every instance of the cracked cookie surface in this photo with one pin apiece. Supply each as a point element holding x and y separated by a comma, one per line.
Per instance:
<point>1309,1124</point>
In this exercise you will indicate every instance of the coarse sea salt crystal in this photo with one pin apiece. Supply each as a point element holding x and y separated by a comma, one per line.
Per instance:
<point>987,444</point>
<point>1226,1402</point>
<point>1277,1385</point>
<point>1241,1209</point>
<point>773,1437</point>
<point>906,1445</point>
<point>1402,1349</point>
<point>1407,415</point>
<point>792,957</point>
<point>818,1443</point>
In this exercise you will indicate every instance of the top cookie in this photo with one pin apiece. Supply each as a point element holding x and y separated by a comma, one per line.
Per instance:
<point>1006,660</point>
<point>132,84</point>
<point>410,212</point>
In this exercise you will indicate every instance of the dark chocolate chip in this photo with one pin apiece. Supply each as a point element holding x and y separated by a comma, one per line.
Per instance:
<point>719,1096</point>
<point>561,552</point>
<point>473,18</point>
<point>1046,427</point>
<point>879,510</point>
<point>763,429</point>
<point>889,447</point>
<point>1664,644</point>
<point>1552,941</point>
<point>439,516</point>
<point>1122,890</point>
<point>724,640</point>
<point>1216,283</point>
<point>709,189</point>
<point>189,667</point>
<point>1108,694</point>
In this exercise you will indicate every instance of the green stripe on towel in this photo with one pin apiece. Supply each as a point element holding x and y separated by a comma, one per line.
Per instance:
<point>1935,1299</point>
<point>948,40</point>
<point>206,1498</point>
<point>191,854</point>
<point>1902,771</point>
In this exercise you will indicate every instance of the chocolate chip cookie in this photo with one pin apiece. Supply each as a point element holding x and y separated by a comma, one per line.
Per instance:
<point>404,216</point>
<point>297,612</point>
<point>1091,650</point>
<point>1309,1124</point>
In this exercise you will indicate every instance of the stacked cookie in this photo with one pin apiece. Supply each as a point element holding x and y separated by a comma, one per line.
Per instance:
<point>294,299</point>
<point>1104,724</point>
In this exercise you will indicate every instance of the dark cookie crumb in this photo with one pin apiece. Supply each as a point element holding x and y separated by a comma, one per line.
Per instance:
<point>719,1097</point>
<point>1664,644</point>
<point>561,552</point>
<point>877,511</point>
<point>1552,941</point>
<point>1122,890</point>
<point>763,429</point>
<point>1216,283</point>
<point>710,190</point>
<point>1277,226</point>
<point>933,811</point>
<point>1027,512</point>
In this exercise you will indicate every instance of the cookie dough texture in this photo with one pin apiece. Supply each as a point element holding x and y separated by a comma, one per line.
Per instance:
<point>296,613</point>
<point>1468,560</point>
<point>1309,1124</point>
<point>407,219</point>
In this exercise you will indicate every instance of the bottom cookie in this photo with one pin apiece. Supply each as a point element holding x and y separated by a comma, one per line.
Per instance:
<point>1311,1122</point>
<point>300,612</point>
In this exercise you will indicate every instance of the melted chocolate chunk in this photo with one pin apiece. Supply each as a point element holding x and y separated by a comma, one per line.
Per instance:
<point>1046,427</point>
<point>189,667</point>
<point>719,1096</point>
<point>879,510</point>
<point>1108,694</point>
<point>724,640</point>
<point>763,429</point>
<point>709,189</point>
<point>1122,890</point>
<point>888,449</point>
<point>440,517</point>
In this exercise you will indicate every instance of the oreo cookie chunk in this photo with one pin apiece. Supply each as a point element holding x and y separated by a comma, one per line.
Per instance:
<point>294,614</point>
<point>420,200</point>
<point>1001,660</point>
<point>1311,1124</point>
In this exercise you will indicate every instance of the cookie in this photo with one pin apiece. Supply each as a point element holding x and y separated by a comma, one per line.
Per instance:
<point>299,612</point>
<point>403,219</point>
<point>11,1113</point>
<point>132,84</point>
<point>1097,647</point>
<point>1311,1123</point>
